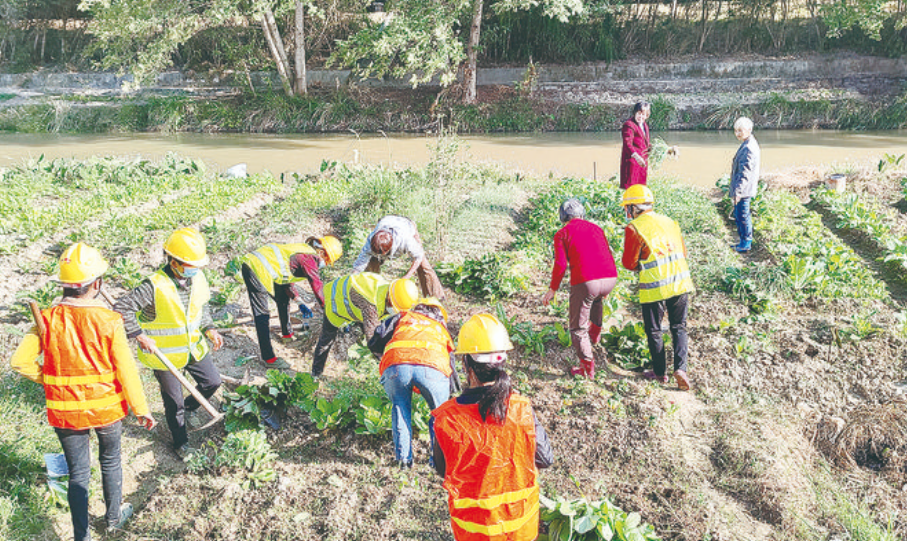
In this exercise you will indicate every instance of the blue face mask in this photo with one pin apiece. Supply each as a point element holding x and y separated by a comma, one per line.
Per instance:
<point>182,271</point>
<point>190,272</point>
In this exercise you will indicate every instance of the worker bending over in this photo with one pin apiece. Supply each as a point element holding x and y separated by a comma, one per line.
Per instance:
<point>364,297</point>
<point>90,382</point>
<point>489,444</point>
<point>415,350</point>
<point>273,270</point>
<point>169,310</point>
<point>654,247</point>
<point>582,246</point>
<point>393,236</point>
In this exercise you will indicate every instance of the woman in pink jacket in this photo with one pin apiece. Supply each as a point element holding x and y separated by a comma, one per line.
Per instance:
<point>634,158</point>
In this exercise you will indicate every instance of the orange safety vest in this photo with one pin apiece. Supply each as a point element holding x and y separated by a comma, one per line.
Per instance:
<point>80,380</point>
<point>418,339</point>
<point>491,477</point>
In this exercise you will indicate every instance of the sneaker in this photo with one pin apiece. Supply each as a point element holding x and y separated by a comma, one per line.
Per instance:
<point>650,374</point>
<point>683,383</point>
<point>125,514</point>
<point>743,247</point>
<point>185,452</point>
<point>278,364</point>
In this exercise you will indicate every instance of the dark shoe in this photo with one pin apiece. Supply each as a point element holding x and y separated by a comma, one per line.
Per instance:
<point>125,514</point>
<point>744,247</point>
<point>649,374</point>
<point>405,464</point>
<point>185,452</point>
<point>278,364</point>
<point>683,383</point>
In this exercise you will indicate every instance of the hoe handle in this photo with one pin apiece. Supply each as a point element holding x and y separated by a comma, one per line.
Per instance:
<point>39,320</point>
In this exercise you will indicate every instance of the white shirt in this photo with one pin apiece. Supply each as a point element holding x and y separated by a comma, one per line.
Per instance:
<point>403,235</point>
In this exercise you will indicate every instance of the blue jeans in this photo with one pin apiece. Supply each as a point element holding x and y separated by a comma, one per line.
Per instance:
<point>398,381</point>
<point>744,221</point>
<point>77,449</point>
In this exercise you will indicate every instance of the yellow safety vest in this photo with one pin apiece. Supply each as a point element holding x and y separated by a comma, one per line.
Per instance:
<point>337,305</point>
<point>175,330</point>
<point>271,263</point>
<point>664,274</point>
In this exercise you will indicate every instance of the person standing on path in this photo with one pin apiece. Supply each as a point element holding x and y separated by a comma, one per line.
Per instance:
<point>272,271</point>
<point>634,155</point>
<point>169,309</point>
<point>90,381</point>
<point>654,247</point>
<point>415,350</point>
<point>393,236</point>
<point>489,444</point>
<point>363,297</point>
<point>744,181</point>
<point>582,246</point>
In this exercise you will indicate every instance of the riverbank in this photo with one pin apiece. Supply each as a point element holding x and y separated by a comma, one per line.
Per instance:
<point>789,93</point>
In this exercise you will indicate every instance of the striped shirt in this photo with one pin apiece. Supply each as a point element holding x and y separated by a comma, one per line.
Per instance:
<point>141,299</point>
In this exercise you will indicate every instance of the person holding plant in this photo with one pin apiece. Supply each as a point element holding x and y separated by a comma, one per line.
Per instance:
<point>488,443</point>
<point>272,271</point>
<point>415,350</point>
<point>744,181</point>
<point>363,297</point>
<point>634,155</point>
<point>654,247</point>
<point>393,236</point>
<point>90,383</point>
<point>169,310</point>
<point>582,246</point>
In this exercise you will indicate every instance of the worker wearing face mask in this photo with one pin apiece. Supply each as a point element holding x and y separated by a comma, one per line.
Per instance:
<point>169,309</point>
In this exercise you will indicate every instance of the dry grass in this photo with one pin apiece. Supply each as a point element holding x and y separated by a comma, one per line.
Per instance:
<point>873,437</point>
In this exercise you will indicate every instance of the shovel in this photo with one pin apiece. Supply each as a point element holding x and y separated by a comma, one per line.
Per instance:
<point>215,415</point>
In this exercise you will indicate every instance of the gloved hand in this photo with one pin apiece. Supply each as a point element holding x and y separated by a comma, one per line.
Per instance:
<point>306,314</point>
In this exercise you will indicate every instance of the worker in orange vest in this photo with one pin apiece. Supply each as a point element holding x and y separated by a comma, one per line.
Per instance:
<point>90,382</point>
<point>489,445</point>
<point>415,350</point>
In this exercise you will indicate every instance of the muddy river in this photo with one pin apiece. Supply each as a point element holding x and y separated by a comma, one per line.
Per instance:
<point>704,156</point>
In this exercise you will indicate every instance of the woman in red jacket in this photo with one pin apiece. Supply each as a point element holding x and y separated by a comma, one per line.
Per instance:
<point>634,158</point>
<point>582,245</point>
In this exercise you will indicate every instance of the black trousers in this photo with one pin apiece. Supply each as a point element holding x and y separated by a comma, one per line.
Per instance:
<point>652,314</point>
<point>323,347</point>
<point>77,449</point>
<point>207,381</point>
<point>261,315</point>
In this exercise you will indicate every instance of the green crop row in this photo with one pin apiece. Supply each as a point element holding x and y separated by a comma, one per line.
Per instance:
<point>854,213</point>
<point>816,262</point>
<point>42,197</point>
<point>207,198</point>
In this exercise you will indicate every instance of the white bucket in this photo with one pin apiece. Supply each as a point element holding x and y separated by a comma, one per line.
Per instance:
<point>837,182</point>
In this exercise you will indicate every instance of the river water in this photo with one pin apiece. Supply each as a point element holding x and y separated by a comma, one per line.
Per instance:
<point>704,156</point>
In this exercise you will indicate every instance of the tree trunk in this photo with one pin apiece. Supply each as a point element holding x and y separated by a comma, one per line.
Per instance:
<point>301,85</point>
<point>472,53</point>
<point>272,36</point>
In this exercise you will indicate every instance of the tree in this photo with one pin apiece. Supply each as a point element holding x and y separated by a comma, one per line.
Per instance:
<point>422,39</point>
<point>141,36</point>
<point>867,15</point>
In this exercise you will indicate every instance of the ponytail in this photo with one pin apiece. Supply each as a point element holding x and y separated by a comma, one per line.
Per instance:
<point>497,397</point>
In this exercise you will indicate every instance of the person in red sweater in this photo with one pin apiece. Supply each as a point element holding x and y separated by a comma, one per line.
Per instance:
<point>582,245</point>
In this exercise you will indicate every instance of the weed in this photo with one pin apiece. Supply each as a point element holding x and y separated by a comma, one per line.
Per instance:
<point>581,519</point>
<point>490,277</point>
<point>246,450</point>
<point>628,345</point>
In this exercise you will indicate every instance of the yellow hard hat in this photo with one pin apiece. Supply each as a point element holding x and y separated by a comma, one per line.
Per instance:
<point>188,246</point>
<point>80,265</point>
<point>431,301</point>
<point>332,248</point>
<point>403,294</point>
<point>637,194</point>
<point>483,333</point>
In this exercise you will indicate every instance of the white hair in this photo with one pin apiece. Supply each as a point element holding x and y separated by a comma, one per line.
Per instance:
<point>743,123</point>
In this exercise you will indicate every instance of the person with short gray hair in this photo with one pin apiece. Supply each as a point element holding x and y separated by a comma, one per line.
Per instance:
<point>582,245</point>
<point>744,181</point>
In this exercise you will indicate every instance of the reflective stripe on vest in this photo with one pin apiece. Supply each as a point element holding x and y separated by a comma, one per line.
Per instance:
<point>505,527</point>
<point>339,308</point>
<point>61,381</point>
<point>176,329</point>
<point>83,405</point>
<point>271,263</point>
<point>664,274</point>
